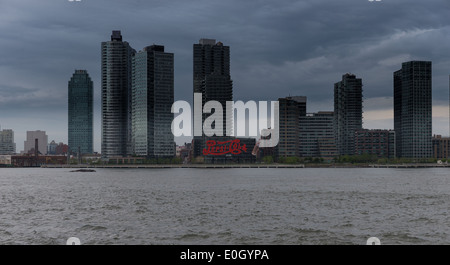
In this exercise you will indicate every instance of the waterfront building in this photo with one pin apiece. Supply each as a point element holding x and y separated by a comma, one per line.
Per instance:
<point>116,81</point>
<point>347,112</point>
<point>291,109</point>
<point>413,110</point>
<point>380,143</point>
<point>80,112</point>
<point>316,135</point>
<point>441,147</point>
<point>152,100</point>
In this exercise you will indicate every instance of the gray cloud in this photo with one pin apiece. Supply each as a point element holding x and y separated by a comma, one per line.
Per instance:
<point>277,48</point>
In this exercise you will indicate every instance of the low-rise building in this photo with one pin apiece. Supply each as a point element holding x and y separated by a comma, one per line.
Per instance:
<point>375,142</point>
<point>441,147</point>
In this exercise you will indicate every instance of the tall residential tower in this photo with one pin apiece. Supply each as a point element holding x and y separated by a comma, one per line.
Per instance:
<point>413,110</point>
<point>116,96</point>
<point>152,99</point>
<point>347,112</point>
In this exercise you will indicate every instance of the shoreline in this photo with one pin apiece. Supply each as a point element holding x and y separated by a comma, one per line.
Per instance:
<point>210,166</point>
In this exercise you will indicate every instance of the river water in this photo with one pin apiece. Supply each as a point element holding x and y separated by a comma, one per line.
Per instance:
<point>225,206</point>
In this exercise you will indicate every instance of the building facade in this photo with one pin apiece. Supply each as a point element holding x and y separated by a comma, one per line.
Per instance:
<point>375,142</point>
<point>7,144</point>
<point>213,80</point>
<point>441,147</point>
<point>347,112</point>
<point>316,135</point>
<point>413,110</point>
<point>116,96</point>
<point>29,144</point>
<point>81,109</point>
<point>51,149</point>
<point>152,100</point>
<point>291,109</point>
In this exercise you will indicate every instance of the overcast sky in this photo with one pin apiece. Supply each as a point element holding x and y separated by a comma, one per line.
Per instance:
<point>278,48</point>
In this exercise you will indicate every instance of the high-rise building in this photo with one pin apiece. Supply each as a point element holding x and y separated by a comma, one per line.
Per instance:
<point>212,79</point>
<point>30,142</point>
<point>290,112</point>
<point>81,107</point>
<point>316,134</point>
<point>152,99</point>
<point>7,145</point>
<point>347,112</point>
<point>413,110</point>
<point>116,96</point>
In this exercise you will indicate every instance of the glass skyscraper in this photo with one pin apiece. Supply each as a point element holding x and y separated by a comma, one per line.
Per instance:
<point>81,93</point>
<point>347,112</point>
<point>116,97</point>
<point>413,110</point>
<point>152,99</point>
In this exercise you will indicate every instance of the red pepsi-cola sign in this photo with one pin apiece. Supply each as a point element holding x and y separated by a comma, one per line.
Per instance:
<point>224,147</point>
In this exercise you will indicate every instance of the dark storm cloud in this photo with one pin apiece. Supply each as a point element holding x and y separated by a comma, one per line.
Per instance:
<point>278,48</point>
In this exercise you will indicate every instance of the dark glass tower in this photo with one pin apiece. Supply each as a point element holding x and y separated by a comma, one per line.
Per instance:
<point>347,112</point>
<point>212,79</point>
<point>152,99</point>
<point>413,110</point>
<point>116,97</point>
<point>81,112</point>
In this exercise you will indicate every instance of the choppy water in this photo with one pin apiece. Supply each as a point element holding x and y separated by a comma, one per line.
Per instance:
<point>225,206</point>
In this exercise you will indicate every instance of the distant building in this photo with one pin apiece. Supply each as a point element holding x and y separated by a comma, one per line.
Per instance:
<point>375,142</point>
<point>5,160</point>
<point>291,109</point>
<point>51,150</point>
<point>7,145</point>
<point>183,152</point>
<point>441,147</point>
<point>30,142</point>
<point>316,135</point>
<point>33,161</point>
<point>412,110</point>
<point>61,149</point>
<point>347,112</point>
<point>152,100</point>
<point>81,94</point>
<point>116,96</point>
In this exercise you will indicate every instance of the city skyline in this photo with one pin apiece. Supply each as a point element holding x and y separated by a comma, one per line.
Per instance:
<point>269,60</point>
